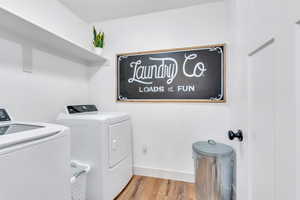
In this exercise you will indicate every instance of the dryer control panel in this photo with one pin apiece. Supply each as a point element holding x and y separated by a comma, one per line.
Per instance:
<point>76,109</point>
<point>4,116</point>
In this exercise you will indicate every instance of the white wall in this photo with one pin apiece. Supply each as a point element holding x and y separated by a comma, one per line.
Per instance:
<point>55,82</point>
<point>166,129</point>
<point>52,16</point>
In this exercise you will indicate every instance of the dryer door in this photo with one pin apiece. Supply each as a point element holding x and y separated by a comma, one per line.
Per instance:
<point>119,142</point>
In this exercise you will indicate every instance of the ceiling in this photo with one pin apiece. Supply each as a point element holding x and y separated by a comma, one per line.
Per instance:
<point>100,10</point>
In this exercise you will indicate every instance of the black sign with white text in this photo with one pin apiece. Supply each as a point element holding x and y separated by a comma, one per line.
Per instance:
<point>188,74</point>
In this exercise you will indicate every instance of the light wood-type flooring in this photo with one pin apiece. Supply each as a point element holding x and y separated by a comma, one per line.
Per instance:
<point>148,188</point>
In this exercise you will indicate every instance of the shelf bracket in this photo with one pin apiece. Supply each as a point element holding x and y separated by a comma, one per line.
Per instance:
<point>27,57</point>
<point>261,47</point>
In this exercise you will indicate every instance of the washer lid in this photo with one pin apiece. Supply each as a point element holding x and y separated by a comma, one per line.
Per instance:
<point>211,148</point>
<point>15,128</point>
<point>18,133</point>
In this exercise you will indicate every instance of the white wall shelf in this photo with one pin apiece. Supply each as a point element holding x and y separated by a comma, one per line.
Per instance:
<point>40,38</point>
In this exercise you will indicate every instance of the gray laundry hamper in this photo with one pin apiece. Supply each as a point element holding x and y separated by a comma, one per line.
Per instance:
<point>215,171</point>
<point>78,180</point>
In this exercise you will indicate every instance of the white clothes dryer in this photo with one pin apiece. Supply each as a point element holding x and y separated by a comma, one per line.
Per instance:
<point>104,141</point>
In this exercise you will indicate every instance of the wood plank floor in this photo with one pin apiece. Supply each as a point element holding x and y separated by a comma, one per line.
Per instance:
<point>148,188</point>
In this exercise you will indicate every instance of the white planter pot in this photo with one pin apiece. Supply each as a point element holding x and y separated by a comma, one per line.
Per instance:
<point>98,50</point>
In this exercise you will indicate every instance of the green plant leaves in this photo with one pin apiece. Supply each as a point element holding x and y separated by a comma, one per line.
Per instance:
<point>98,38</point>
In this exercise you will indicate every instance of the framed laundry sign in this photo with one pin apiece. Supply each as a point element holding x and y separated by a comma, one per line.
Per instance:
<point>195,74</point>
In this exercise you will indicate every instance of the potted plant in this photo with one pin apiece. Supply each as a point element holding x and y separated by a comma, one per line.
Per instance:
<point>98,41</point>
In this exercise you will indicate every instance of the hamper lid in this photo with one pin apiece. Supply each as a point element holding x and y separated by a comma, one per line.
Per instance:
<point>212,148</point>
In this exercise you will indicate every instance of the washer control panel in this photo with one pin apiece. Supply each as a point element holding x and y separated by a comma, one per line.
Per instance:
<point>4,116</point>
<point>75,109</point>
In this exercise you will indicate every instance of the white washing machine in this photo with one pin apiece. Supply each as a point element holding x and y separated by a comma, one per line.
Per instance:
<point>34,160</point>
<point>104,141</point>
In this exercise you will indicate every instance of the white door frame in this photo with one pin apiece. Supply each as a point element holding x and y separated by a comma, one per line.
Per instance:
<point>297,89</point>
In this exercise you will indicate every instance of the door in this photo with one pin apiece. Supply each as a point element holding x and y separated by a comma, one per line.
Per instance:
<point>261,132</point>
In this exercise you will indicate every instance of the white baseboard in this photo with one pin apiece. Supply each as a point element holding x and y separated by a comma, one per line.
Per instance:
<point>165,174</point>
